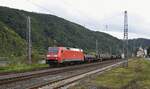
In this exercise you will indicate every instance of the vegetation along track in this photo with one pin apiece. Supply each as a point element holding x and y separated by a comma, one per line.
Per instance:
<point>11,80</point>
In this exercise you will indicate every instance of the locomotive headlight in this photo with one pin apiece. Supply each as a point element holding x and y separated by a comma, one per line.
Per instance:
<point>48,55</point>
<point>55,55</point>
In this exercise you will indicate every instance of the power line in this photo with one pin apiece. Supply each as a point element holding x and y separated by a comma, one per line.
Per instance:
<point>41,7</point>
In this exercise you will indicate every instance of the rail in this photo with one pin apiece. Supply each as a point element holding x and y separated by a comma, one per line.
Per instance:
<point>71,79</point>
<point>6,79</point>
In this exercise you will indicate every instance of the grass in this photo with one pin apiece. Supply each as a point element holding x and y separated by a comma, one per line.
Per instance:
<point>21,67</point>
<point>115,78</point>
<point>135,76</point>
<point>20,64</point>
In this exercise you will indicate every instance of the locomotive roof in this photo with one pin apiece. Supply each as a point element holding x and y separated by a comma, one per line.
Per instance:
<point>69,48</point>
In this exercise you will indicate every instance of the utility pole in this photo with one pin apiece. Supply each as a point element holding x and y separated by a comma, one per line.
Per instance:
<point>29,40</point>
<point>110,50</point>
<point>106,27</point>
<point>96,47</point>
<point>125,39</point>
<point>133,50</point>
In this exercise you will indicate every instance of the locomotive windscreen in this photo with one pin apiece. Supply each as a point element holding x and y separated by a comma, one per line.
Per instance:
<point>53,49</point>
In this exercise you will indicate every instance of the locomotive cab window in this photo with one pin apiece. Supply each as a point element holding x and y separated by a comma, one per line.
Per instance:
<point>53,50</point>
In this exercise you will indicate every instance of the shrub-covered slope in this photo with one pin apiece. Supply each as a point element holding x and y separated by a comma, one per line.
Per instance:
<point>10,42</point>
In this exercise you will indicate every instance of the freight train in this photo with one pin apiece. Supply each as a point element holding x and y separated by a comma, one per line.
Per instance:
<point>61,55</point>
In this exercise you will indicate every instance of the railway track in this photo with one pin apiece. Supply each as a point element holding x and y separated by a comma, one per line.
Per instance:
<point>37,79</point>
<point>70,80</point>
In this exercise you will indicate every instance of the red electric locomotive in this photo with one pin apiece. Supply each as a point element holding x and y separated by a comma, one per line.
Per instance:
<point>57,55</point>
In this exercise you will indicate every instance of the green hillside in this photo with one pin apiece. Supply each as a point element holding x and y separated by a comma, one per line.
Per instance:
<point>10,42</point>
<point>48,30</point>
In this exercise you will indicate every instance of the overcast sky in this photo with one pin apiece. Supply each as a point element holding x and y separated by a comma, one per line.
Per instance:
<point>95,14</point>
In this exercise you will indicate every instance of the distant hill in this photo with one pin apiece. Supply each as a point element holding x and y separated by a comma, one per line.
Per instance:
<point>140,42</point>
<point>49,30</point>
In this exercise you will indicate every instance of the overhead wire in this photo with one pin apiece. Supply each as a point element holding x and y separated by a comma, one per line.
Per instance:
<point>39,6</point>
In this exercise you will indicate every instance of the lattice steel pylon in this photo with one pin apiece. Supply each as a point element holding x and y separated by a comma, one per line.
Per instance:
<point>125,39</point>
